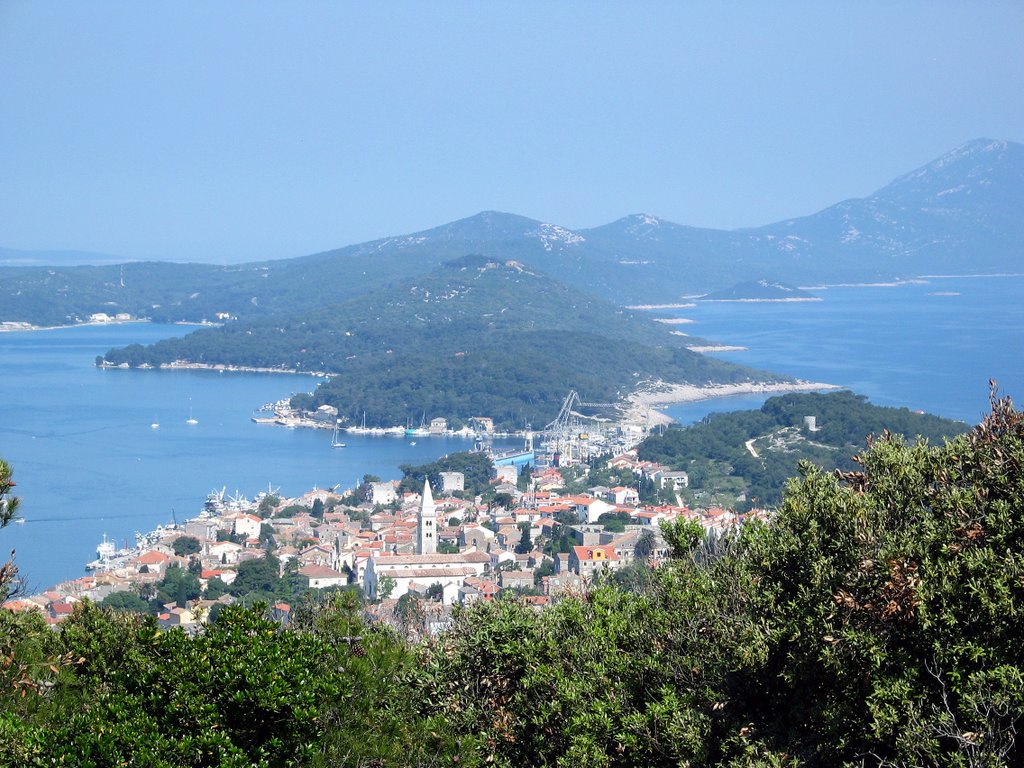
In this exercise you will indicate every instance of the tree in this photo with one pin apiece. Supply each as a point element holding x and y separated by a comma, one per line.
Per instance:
<point>267,505</point>
<point>385,587</point>
<point>644,547</point>
<point>317,510</point>
<point>179,585</point>
<point>215,588</point>
<point>8,507</point>
<point>435,591</point>
<point>547,567</point>
<point>125,602</point>
<point>8,504</point>
<point>186,545</point>
<point>410,614</point>
<point>504,500</point>
<point>525,543</point>
<point>261,575</point>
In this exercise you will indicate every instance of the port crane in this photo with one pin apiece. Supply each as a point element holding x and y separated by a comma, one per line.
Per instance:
<point>567,428</point>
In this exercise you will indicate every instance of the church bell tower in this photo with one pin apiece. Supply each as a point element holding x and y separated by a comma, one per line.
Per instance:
<point>426,529</point>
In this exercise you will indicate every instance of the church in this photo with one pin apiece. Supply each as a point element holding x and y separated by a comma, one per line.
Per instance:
<point>426,567</point>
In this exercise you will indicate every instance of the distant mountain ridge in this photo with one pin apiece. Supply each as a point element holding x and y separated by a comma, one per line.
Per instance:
<point>959,213</point>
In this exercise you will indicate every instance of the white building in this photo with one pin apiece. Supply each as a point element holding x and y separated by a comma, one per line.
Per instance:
<point>452,481</point>
<point>426,523</point>
<point>423,569</point>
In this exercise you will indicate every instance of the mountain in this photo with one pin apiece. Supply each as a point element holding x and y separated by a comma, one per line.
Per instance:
<point>957,214</point>
<point>473,337</point>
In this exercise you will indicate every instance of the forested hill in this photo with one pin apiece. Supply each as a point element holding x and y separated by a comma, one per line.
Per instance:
<point>958,214</point>
<point>716,454</point>
<point>474,337</point>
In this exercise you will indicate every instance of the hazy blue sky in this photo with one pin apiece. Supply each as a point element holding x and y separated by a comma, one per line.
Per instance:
<point>225,131</point>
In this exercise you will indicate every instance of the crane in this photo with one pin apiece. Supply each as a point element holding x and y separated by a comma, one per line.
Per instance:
<point>565,429</point>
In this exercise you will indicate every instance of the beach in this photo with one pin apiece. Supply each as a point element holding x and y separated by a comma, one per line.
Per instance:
<point>642,405</point>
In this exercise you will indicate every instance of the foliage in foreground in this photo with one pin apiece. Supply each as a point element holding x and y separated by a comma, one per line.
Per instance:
<point>876,621</point>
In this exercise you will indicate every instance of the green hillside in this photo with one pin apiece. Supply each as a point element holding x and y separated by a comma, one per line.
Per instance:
<point>474,337</point>
<point>721,466</point>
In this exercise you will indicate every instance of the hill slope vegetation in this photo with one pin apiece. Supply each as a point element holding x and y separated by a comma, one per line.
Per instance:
<point>475,337</point>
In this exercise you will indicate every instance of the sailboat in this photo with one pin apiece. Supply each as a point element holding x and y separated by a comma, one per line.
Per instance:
<point>191,419</point>
<point>335,442</point>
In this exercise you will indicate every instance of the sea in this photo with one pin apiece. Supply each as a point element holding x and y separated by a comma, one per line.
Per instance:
<point>88,463</point>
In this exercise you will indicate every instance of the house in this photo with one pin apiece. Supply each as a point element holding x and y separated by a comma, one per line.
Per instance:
<point>438,426</point>
<point>626,460</point>
<point>318,554</point>
<point>248,526</point>
<point>674,480</point>
<point>281,613</point>
<point>515,579</point>
<point>506,474</point>
<point>430,569</point>
<point>589,509</point>
<point>203,529</point>
<point>175,617</point>
<point>476,536</point>
<point>488,589</point>
<point>226,552</point>
<point>621,494</point>
<point>452,481</point>
<point>586,561</point>
<point>320,576</point>
<point>153,562</point>
<point>382,493</point>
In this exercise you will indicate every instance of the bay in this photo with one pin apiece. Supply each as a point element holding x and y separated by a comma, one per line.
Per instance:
<point>88,463</point>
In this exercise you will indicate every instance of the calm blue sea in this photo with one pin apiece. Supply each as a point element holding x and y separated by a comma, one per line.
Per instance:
<point>88,463</point>
<point>928,346</point>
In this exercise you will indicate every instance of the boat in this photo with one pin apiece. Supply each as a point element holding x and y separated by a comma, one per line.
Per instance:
<point>108,556</point>
<point>191,419</point>
<point>335,442</point>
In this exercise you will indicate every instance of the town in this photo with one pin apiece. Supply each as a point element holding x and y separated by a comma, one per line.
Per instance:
<point>413,554</point>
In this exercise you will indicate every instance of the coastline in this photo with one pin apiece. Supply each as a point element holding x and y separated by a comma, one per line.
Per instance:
<point>789,300</point>
<point>643,404</point>
<point>690,305</point>
<point>16,327</point>
<point>717,348</point>
<point>181,365</point>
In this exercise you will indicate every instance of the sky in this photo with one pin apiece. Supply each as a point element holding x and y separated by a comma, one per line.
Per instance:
<point>235,131</point>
